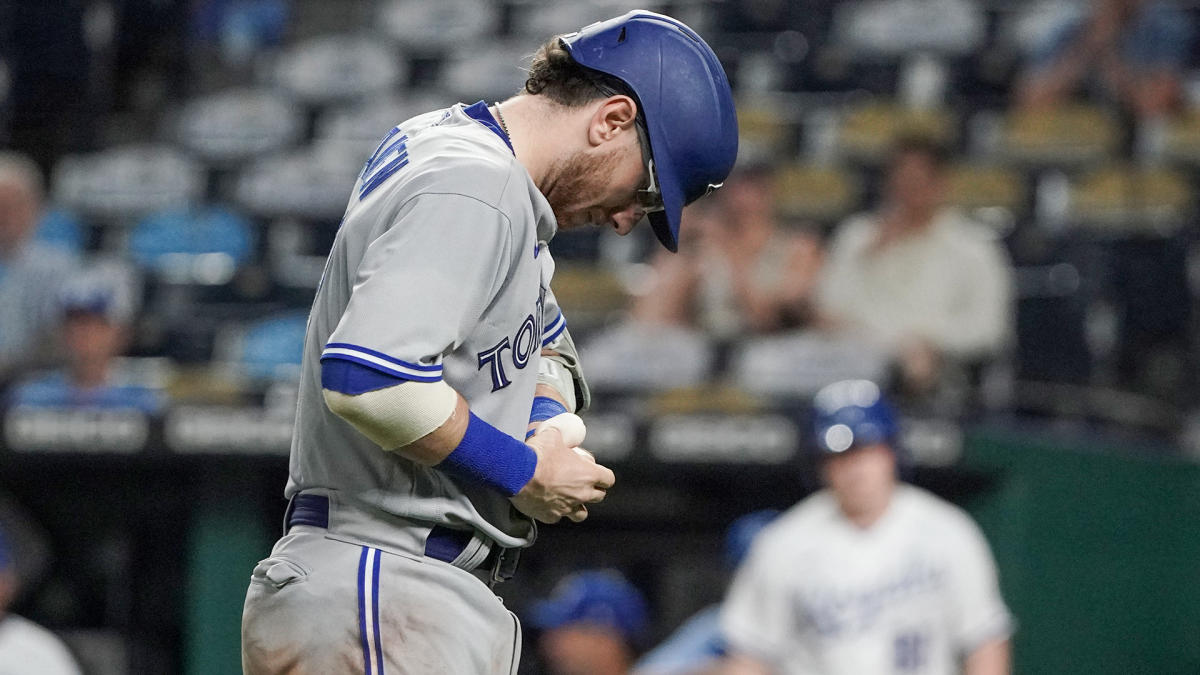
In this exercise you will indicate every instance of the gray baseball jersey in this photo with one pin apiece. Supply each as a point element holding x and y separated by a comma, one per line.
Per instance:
<point>439,271</point>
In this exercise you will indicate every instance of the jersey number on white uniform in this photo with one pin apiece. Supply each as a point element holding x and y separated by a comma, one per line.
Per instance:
<point>909,652</point>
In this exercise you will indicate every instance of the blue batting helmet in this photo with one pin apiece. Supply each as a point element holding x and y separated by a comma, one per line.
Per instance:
<point>685,99</point>
<point>599,598</point>
<point>852,413</point>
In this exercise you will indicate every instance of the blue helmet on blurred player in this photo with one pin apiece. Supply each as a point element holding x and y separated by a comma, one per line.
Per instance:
<point>852,413</point>
<point>597,598</point>
<point>685,99</point>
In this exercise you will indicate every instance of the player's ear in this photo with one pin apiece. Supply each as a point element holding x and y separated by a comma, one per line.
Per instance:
<point>614,116</point>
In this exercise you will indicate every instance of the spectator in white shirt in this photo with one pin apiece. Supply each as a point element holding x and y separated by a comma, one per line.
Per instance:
<point>921,280</point>
<point>30,272</point>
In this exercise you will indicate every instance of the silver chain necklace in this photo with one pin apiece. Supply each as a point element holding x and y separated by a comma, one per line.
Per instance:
<point>500,117</point>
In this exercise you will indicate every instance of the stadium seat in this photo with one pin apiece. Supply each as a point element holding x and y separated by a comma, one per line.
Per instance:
<point>1067,136</point>
<point>493,71</point>
<point>61,229</point>
<point>813,192</point>
<point>974,186</point>
<point>203,245</point>
<point>634,357</point>
<point>360,126</point>
<point>421,26</point>
<point>867,132</point>
<point>267,349</point>
<point>337,68</point>
<point>764,131</point>
<point>1119,199</point>
<point>705,398</point>
<point>1181,140</point>
<point>239,124</point>
<point>313,182</point>
<point>127,181</point>
<point>540,19</point>
<point>590,293</point>
<point>798,364</point>
<point>901,27</point>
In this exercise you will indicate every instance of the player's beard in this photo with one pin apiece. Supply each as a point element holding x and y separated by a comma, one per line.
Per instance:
<point>578,182</point>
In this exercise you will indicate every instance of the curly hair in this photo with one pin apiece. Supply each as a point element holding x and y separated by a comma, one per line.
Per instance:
<point>557,76</point>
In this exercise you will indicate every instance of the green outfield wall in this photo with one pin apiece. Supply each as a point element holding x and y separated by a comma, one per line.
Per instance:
<point>1099,554</point>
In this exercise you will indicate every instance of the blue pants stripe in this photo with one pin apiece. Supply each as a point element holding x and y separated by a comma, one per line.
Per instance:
<point>375,606</point>
<point>362,610</point>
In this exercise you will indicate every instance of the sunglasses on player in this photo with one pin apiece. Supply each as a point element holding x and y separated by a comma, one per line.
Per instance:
<point>649,198</point>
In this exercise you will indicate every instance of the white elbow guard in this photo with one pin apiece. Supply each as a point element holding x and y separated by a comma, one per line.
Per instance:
<point>394,417</point>
<point>561,370</point>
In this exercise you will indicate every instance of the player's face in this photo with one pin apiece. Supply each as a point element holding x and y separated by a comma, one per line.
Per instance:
<point>583,650</point>
<point>90,337</point>
<point>602,186</point>
<point>862,479</point>
<point>914,182</point>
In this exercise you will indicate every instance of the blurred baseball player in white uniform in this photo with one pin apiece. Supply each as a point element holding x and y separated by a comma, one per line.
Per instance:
<point>412,485</point>
<point>869,576</point>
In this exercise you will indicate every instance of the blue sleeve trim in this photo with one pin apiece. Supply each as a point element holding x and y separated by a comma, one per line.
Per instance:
<point>550,333</point>
<point>490,457</point>
<point>352,378</point>
<point>375,363</point>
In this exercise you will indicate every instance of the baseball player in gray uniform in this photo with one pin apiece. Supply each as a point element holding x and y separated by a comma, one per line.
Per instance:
<point>435,346</point>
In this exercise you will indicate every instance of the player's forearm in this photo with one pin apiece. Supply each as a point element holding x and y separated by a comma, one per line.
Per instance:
<point>435,446</point>
<point>990,659</point>
<point>546,391</point>
<point>421,421</point>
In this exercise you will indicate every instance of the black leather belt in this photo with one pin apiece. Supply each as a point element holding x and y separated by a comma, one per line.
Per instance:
<point>443,543</point>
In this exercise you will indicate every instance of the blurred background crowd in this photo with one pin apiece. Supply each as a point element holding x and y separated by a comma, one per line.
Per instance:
<point>986,206</point>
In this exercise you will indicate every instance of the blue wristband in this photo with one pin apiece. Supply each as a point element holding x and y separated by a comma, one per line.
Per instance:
<point>490,457</point>
<point>544,408</point>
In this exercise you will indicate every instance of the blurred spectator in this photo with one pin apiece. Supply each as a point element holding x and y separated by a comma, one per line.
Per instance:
<point>1129,51</point>
<point>590,625</point>
<point>902,27</point>
<point>26,647</point>
<point>916,277</point>
<point>698,644</point>
<point>30,272</point>
<point>96,316</point>
<point>747,273</point>
<point>867,575</point>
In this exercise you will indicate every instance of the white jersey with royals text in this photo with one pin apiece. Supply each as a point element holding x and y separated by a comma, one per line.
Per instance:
<point>439,271</point>
<point>911,595</point>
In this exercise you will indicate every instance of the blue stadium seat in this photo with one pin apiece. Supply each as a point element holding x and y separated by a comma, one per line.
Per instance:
<point>203,245</point>
<point>271,348</point>
<point>62,230</point>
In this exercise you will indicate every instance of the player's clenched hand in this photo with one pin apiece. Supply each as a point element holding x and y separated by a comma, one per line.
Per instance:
<point>564,482</point>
